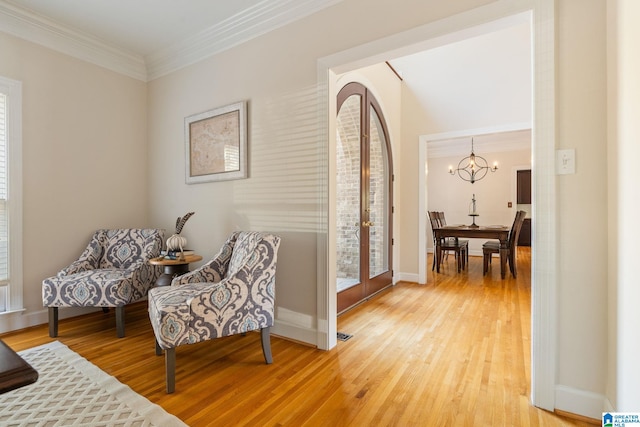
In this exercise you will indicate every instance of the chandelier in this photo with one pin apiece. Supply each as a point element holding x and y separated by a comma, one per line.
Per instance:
<point>473,168</point>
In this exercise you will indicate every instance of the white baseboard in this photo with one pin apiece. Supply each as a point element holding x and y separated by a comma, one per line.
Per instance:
<point>25,319</point>
<point>608,407</point>
<point>405,277</point>
<point>289,324</point>
<point>295,326</point>
<point>295,333</point>
<point>581,402</point>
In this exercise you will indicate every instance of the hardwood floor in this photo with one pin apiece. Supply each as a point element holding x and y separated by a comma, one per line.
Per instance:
<point>452,352</point>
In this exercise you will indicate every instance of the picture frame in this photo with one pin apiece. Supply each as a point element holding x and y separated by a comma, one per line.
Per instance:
<point>216,144</point>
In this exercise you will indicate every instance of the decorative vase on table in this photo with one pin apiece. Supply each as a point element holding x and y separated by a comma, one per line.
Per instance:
<point>176,242</point>
<point>472,212</point>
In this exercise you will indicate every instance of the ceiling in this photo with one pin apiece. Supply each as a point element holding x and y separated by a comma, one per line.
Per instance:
<point>146,39</point>
<point>141,27</point>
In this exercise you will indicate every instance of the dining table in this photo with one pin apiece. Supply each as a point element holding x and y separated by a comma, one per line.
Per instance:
<point>497,232</point>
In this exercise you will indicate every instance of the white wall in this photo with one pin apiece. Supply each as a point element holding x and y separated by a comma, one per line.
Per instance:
<point>84,161</point>
<point>581,245</point>
<point>479,82</point>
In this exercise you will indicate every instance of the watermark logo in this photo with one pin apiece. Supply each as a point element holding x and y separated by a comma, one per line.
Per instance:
<point>620,419</point>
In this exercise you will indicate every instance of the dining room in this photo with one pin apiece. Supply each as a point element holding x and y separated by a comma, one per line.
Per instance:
<point>490,201</point>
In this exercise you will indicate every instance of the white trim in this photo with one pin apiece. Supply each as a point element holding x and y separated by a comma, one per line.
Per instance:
<point>507,127</point>
<point>543,258</point>
<point>25,319</point>
<point>327,301</point>
<point>490,142</point>
<point>581,402</point>
<point>250,23</point>
<point>608,407</point>
<point>294,332</point>
<point>406,277</point>
<point>45,32</point>
<point>13,90</point>
<point>294,318</point>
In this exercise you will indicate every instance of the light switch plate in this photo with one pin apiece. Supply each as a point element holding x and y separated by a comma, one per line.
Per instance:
<point>566,161</point>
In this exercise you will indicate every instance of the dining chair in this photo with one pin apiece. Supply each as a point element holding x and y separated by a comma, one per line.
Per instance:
<point>460,247</point>
<point>493,247</point>
<point>464,243</point>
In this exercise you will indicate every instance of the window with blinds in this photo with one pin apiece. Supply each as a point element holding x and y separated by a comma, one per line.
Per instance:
<point>11,292</point>
<point>4,232</point>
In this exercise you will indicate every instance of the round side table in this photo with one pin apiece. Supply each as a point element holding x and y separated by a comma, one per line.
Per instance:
<point>173,267</point>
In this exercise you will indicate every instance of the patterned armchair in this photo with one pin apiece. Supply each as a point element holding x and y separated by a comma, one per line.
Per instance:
<point>112,271</point>
<point>232,294</point>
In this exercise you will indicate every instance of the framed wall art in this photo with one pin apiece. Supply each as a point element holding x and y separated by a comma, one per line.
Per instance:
<point>216,144</point>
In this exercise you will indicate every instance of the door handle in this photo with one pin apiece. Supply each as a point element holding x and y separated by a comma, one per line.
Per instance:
<point>367,224</point>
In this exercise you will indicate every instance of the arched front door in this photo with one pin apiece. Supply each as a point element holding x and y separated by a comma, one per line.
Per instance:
<point>364,202</point>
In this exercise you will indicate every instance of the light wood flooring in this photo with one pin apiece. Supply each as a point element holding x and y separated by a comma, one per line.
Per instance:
<point>454,352</point>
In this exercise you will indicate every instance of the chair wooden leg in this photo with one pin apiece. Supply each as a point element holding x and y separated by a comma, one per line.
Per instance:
<point>512,264</point>
<point>158,349</point>
<point>53,322</point>
<point>170,369</point>
<point>463,257</point>
<point>485,262</point>
<point>120,321</point>
<point>433,264</point>
<point>265,337</point>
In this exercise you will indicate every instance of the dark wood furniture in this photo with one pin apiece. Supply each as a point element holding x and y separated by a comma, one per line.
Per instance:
<point>524,187</point>
<point>498,232</point>
<point>525,233</point>
<point>15,372</point>
<point>459,247</point>
<point>173,267</point>
<point>491,247</point>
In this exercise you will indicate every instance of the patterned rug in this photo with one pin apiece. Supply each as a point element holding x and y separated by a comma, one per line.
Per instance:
<point>71,391</point>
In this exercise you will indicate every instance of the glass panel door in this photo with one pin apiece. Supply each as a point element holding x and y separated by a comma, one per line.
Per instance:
<point>364,197</point>
<point>378,198</point>
<point>348,188</point>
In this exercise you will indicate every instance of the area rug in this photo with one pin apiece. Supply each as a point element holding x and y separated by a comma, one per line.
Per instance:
<point>71,391</point>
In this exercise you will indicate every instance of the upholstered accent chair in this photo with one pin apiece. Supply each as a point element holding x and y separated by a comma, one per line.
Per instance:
<point>112,271</point>
<point>231,294</point>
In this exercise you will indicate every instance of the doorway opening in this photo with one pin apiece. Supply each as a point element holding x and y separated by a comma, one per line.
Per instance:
<point>449,30</point>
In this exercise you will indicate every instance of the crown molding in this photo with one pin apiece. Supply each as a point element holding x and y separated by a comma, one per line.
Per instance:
<point>246,25</point>
<point>252,22</point>
<point>515,137</point>
<point>40,30</point>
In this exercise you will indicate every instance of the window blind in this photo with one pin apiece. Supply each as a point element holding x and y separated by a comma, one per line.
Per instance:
<point>4,223</point>
<point>11,293</point>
